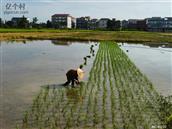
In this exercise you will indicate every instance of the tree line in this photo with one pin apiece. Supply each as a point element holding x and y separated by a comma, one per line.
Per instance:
<point>23,22</point>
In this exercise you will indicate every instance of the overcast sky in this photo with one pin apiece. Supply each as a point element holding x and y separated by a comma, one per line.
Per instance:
<point>119,9</point>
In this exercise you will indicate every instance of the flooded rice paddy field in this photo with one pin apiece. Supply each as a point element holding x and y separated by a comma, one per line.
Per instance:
<point>26,67</point>
<point>33,97</point>
<point>155,61</point>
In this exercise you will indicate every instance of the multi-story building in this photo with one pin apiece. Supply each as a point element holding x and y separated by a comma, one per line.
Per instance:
<point>141,25</point>
<point>168,24</point>
<point>93,24</point>
<point>155,24</point>
<point>82,22</point>
<point>132,24</point>
<point>62,20</point>
<point>103,23</point>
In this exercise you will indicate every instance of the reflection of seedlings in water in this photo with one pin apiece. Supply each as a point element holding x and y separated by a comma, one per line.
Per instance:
<point>24,41</point>
<point>63,43</point>
<point>127,50</point>
<point>73,95</point>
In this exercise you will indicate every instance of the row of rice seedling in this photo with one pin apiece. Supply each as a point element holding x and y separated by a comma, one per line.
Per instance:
<point>116,96</point>
<point>125,95</point>
<point>141,82</point>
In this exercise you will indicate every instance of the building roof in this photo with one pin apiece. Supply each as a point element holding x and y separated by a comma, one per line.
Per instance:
<point>134,19</point>
<point>19,18</point>
<point>15,18</point>
<point>94,20</point>
<point>155,18</point>
<point>104,19</point>
<point>66,15</point>
<point>168,18</point>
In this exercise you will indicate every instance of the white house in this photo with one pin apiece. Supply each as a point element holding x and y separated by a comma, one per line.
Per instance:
<point>168,23</point>
<point>62,20</point>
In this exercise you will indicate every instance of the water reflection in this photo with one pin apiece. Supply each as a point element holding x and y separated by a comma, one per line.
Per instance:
<point>155,61</point>
<point>52,105</point>
<point>91,104</point>
<point>57,42</point>
<point>29,65</point>
<point>73,94</point>
<point>153,45</point>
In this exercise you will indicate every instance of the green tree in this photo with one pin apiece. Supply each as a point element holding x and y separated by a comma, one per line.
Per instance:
<point>23,23</point>
<point>110,25</point>
<point>1,22</point>
<point>34,22</point>
<point>113,25</point>
<point>49,24</point>
<point>8,24</point>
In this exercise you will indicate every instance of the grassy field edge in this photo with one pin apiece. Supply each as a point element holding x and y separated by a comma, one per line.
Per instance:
<point>84,35</point>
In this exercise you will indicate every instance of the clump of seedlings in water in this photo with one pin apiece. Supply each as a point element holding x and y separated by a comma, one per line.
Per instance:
<point>85,60</point>
<point>89,56</point>
<point>81,66</point>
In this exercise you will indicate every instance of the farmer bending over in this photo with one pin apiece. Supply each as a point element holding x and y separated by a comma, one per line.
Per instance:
<point>74,76</point>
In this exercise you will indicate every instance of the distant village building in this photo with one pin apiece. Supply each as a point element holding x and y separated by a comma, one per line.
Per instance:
<point>132,24</point>
<point>124,24</point>
<point>103,23</point>
<point>62,20</point>
<point>155,24</point>
<point>82,22</point>
<point>16,20</point>
<point>73,22</point>
<point>93,24</point>
<point>141,25</point>
<point>168,24</point>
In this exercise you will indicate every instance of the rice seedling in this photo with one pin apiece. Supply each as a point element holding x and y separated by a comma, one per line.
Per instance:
<point>116,95</point>
<point>88,56</point>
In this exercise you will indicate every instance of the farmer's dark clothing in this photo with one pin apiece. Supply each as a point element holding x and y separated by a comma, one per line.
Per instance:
<point>72,76</point>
